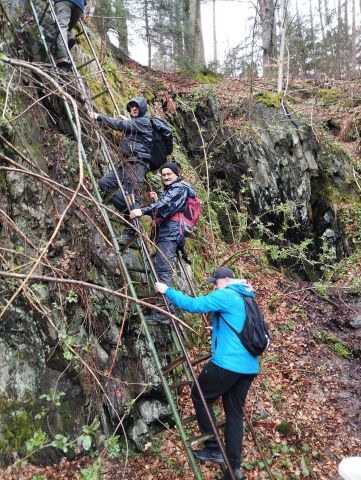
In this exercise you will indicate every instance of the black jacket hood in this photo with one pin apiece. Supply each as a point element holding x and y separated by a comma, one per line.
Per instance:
<point>142,105</point>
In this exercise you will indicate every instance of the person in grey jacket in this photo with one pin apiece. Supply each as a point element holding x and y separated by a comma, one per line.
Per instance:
<point>136,146</point>
<point>168,236</point>
<point>68,12</point>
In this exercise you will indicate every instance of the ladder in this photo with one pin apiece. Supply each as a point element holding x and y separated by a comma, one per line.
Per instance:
<point>184,359</point>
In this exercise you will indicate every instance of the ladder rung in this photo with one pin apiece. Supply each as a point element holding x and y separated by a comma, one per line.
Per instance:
<point>175,386</point>
<point>80,33</point>
<point>205,436</point>
<point>170,352</point>
<point>178,361</point>
<point>137,270</point>
<point>99,94</point>
<point>44,13</point>
<point>86,63</point>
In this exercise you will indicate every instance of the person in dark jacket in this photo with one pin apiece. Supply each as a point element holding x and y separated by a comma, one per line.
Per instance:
<point>231,369</point>
<point>168,236</point>
<point>136,145</point>
<point>68,12</point>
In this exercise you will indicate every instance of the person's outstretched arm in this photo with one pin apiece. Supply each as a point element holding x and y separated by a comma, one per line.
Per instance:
<point>213,302</point>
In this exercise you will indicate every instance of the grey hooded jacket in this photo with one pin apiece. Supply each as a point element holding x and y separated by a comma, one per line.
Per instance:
<point>138,133</point>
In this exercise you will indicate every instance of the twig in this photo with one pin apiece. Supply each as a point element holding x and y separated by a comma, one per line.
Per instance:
<point>7,94</point>
<point>80,181</point>
<point>94,287</point>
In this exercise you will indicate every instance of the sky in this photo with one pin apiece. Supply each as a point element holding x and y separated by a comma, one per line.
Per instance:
<point>231,17</point>
<point>232,24</point>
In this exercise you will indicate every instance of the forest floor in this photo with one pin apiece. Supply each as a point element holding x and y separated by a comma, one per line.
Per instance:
<point>305,404</point>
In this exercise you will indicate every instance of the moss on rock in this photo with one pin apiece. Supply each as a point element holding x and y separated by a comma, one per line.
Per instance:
<point>270,99</point>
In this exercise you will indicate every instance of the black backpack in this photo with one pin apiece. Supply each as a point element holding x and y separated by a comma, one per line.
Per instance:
<point>162,143</point>
<point>254,334</point>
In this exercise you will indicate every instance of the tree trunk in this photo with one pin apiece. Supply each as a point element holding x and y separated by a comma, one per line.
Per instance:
<point>195,18</point>
<point>321,19</point>
<point>283,15</point>
<point>178,41</point>
<point>302,54</point>
<point>353,38</point>
<point>267,17</point>
<point>313,40</point>
<point>193,32</point>
<point>215,56</point>
<point>327,13</point>
<point>339,36</point>
<point>147,33</point>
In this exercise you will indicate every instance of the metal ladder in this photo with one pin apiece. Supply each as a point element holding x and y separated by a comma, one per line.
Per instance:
<point>184,359</point>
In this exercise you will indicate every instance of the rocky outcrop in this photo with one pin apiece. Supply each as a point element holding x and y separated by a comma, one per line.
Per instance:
<point>273,168</point>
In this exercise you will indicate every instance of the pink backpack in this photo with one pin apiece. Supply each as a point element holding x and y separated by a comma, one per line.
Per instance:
<point>189,217</point>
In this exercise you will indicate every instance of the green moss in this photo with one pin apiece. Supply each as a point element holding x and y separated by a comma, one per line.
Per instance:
<point>17,423</point>
<point>328,95</point>
<point>270,99</point>
<point>203,75</point>
<point>336,345</point>
<point>284,428</point>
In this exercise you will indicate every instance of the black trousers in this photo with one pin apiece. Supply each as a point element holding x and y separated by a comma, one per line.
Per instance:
<point>164,264</point>
<point>132,178</point>
<point>233,387</point>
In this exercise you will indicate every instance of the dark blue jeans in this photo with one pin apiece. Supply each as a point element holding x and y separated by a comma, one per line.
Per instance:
<point>163,266</point>
<point>132,178</point>
<point>233,387</point>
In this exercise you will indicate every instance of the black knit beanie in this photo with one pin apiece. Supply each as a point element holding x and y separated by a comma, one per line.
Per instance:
<point>172,166</point>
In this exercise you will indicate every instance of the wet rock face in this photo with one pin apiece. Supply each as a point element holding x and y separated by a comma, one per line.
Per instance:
<point>274,160</point>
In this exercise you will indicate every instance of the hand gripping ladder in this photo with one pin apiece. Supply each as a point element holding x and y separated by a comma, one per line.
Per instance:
<point>184,360</point>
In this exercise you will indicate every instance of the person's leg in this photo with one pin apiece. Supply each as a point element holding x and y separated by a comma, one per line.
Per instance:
<point>164,260</point>
<point>233,402</point>
<point>63,12</point>
<point>108,184</point>
<point>75,16</point>
<point>214,381</point>
<point>76,13</point>
<point>133,180</point>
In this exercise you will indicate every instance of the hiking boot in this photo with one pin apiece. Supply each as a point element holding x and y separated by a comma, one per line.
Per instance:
<point>239,475</point>
<point>71,40</point>
<point>208,455</point>
<point>63,63</point>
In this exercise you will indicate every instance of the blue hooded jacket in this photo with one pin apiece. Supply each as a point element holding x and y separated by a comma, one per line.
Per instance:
<point>227,349</point>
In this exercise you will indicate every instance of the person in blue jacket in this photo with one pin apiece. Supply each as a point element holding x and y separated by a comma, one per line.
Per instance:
<point>231,369</point>
<point>135,146</point>
<point>68,12</point>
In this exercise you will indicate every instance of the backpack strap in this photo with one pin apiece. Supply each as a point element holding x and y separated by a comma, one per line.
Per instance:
<point>227,323</point>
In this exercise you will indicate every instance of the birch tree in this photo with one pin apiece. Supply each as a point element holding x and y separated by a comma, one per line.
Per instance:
<point>215,55</point>
<point>283,16</point>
